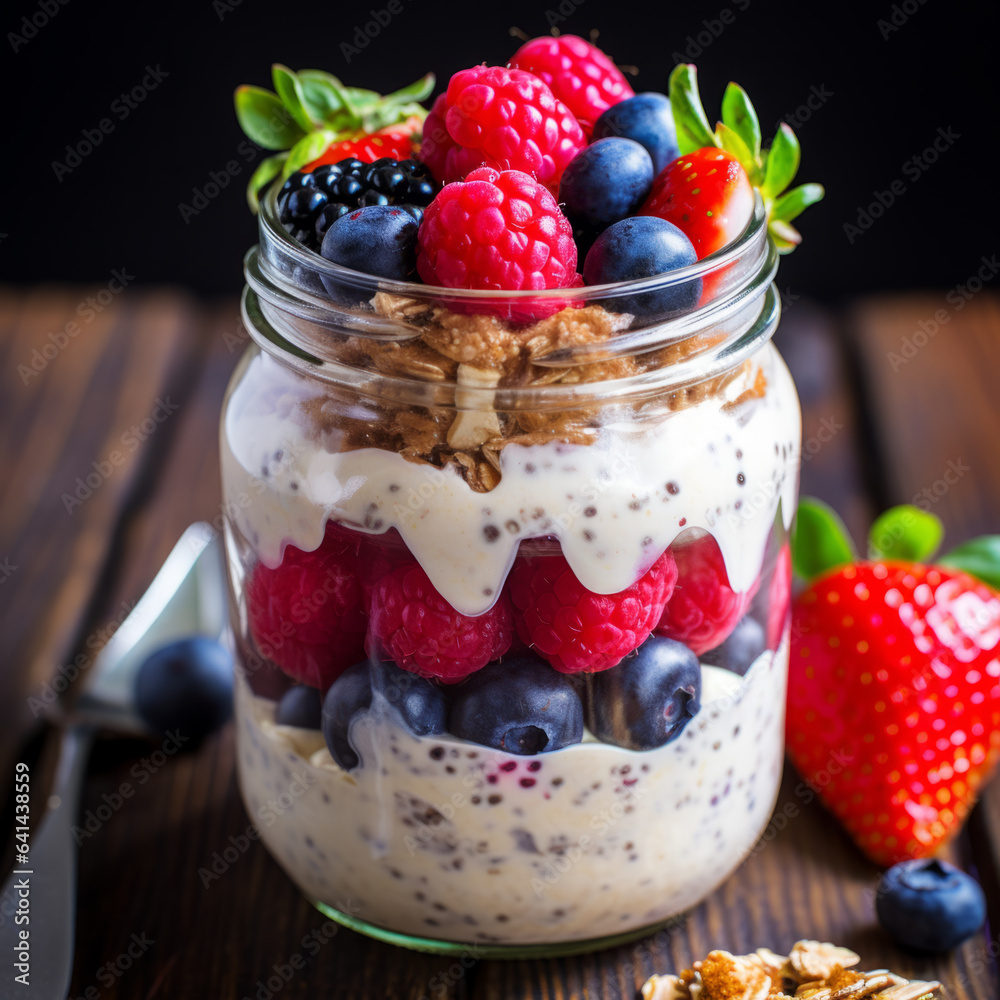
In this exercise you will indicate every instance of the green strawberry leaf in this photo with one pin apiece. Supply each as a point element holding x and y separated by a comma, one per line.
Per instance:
<point>906,533</point>
<point>690,120</point>
<point>786,237</point>
<point>321,94</point>
<point>266,171</point>
<point>738,113</point>
<point>286,83</point>
<point>979,557</point>
<point>265,119</point>
<point>419,90</point>
<point>306,150</point>
<point>732,142</point>
<point>820,541</point>
<point>782,163</point>
<point>793,203</point>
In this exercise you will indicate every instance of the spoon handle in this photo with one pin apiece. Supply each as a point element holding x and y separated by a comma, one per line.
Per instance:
<point>46,884</point>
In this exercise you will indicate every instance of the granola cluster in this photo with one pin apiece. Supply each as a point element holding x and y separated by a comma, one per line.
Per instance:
<point>479,353</point>
<point>814,970</point>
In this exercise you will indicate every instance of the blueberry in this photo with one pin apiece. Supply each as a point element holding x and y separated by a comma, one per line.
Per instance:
<point>646,118</point>
<point>648,699</point>
<point>300,706</point>
<point>929,905</point>
<point>521,706</point>
<point>741,647</point>
<point>606,181</point>
<point>186,685</point>
<point>303,205</point>
<point>419,703</point>
<point>379,240</point>
<point>642,247</point>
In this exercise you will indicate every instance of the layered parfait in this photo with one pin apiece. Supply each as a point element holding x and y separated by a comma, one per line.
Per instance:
<point>509,571</point>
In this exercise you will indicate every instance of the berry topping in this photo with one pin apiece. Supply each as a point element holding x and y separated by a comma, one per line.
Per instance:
<point>640,248</point>
<point>649,120</point>
<point>186,685</point>
<point>503,118</point>
<point>520,706</point>
<point>578,73</point>
<point>310,202</point>
<point>648,699</point>
<point>300,706</point>
<point>307,614</point>
<point>379,240</point>
<point>314,119</point>
<point>707,195</point>
<point>894,673</point>
<point>740,648</point>
<point>725,191</point>
<point>704,609</point>
<point>497,230</point>
<point>575,629</point>
<point>929,905</point>
<point>418,703</point>
<point>606,181</point>
<point>412,624</point>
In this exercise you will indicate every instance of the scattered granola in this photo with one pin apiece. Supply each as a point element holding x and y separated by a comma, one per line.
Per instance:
<point>814,970</point>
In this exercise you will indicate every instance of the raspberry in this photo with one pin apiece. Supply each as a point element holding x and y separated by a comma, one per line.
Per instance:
<point>576,629</point>
<point>503,118</point>
<point>704,609</point>
<point>307,615</point>
<point>497,230</point>
<point>578,73</point>
<point>415,626</point>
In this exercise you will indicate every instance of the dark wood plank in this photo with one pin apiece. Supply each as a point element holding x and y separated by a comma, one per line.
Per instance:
<point>67,406</point>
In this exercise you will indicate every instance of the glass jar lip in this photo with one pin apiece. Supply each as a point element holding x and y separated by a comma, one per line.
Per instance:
<point>273,234</point>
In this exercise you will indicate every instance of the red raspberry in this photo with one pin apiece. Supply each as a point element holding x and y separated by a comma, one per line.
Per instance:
<point>503,118</point>
<point>501,231</point>
<point>578,73</point>
<point>307,615</point>
<point>704,609</point>
<point>576,629</point>
<point>412,624</point>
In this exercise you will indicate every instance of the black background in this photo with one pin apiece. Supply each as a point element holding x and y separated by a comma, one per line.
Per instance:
<point>890,93</point>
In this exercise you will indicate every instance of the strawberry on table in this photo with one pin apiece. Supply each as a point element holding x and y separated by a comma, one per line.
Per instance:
<point>894,680</point>
<point>577,72</point>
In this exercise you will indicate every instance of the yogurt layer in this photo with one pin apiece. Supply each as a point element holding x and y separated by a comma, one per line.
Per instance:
<point>441,838</point>
<point>614,505</point>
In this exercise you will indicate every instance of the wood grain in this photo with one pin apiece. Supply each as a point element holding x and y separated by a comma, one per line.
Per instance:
<point>139,873</point>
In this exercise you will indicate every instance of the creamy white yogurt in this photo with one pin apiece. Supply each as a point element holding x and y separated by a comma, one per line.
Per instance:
<point>441,838</point>
<point>614,505</point>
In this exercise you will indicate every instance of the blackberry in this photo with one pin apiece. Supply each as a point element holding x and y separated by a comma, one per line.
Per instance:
<point>309,203</point>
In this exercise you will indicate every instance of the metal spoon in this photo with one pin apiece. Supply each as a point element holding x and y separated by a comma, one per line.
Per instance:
<point>186,598</point>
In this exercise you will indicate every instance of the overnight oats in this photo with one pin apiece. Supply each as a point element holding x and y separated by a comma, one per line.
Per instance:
<point>508,470</point>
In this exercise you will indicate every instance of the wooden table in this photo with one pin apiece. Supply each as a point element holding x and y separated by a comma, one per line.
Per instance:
<point>130,396</point>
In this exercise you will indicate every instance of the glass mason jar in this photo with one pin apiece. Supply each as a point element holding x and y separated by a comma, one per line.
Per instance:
<point>529,551</point>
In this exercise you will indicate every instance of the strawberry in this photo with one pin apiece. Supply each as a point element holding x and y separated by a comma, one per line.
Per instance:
<point>312,119</point>
<point>398,142</point>
<point>707,195</point>
<point>894,680</point>
<point>716,206</point>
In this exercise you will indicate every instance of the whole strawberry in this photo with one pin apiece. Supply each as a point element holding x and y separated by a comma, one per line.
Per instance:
<point>577,72</point>
<point>503,118</point>
<point>894,680</point>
